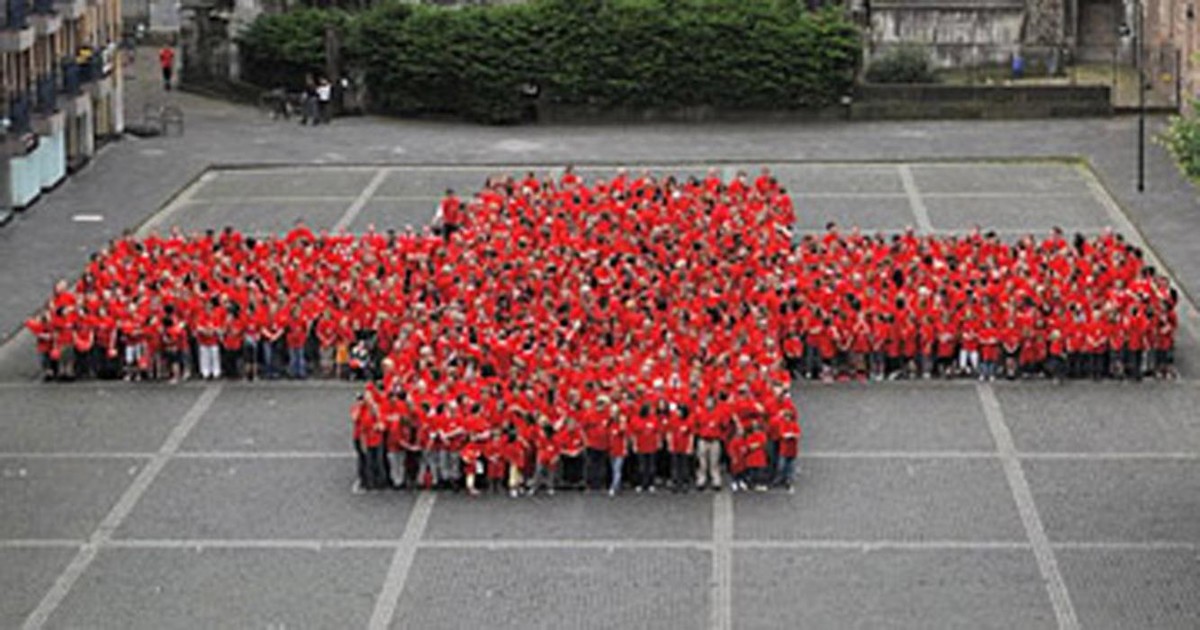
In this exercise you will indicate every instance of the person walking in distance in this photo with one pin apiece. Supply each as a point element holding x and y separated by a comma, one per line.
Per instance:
<point>324,100</point>
<point>166,61</point>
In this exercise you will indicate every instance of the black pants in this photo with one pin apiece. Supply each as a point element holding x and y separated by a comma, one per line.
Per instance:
<point>646,466</point>
<point>376,473</point>
<point>595,468</point>
<point>364,480</point>
<point>681,465</point>
<point>571,471</point>
<point>166,75</point>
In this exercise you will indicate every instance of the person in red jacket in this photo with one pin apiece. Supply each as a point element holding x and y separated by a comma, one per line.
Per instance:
<point>647,440</point>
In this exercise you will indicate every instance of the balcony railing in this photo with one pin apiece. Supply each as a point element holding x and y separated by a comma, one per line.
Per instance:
<point>46,95</point>
<point>16,14</point>
<point>92,69</point>
<point>18,114</point>
<point>70,77</point>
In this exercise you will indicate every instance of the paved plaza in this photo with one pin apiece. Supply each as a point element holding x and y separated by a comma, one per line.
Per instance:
<point>919,505</point>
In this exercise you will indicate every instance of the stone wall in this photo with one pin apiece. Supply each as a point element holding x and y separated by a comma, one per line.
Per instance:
<point>957,34</point>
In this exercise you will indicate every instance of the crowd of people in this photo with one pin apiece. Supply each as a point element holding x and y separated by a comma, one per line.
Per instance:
<point>552,328</point>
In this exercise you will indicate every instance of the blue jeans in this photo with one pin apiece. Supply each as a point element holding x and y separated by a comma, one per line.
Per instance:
<point>268,359</point>
<point>296,366</point>
<point>785,471</point>
<point>617,463</point>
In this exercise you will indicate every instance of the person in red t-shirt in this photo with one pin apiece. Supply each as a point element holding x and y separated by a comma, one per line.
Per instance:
<point>736,450</point>
<point>756,456</point>
<point>711,426</point>
<point>680,444</point>
<point>548,456</point>
<point>297,337</point>
<point>166,61</point>
<point>618,447</point>
<point>207,331</point>
<point>595,440</point>
<point>787,428</point>
<point>647,439</point>
<point>43,333</point>
<point>450,214</point>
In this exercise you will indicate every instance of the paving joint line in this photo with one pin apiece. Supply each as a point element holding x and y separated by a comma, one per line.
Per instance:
<point>721,588</point>
<point>1101,456</point>
<point>388,602</point>
<point>361,200</point>
<point>156,220</point>
<point>814,544</point>
<point>915,202</point>
<point>124,506</point>
<point>1035,530</point>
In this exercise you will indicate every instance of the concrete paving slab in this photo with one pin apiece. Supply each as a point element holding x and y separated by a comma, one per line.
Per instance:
<point>244,499</point>
<point>265,217</point>
<point>1032,215</point>
<point>869,213</point>
<point>888,589</point>
<point>801,179</point>
<point>890,417</point>
<point>1114,589</point>
<point>1103,418</point>
<point>999,178</point>
<point>329,181</point>
<point>532,588</point>
<point>90,418</point>
<point>576,517</point>
<point>273,418</point>
<point>433,182</point>
<point>395,214</point>
<point>225,588</point>
<point>25,576</point>
<point>59,498</point>
<point>885,499</point>
<point>1117,500</point>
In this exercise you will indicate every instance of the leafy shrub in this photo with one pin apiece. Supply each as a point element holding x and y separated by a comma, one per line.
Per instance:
<point>906,63</point>
<point>278,50</point>
<point>1182,139</point>
<point>476,62</point>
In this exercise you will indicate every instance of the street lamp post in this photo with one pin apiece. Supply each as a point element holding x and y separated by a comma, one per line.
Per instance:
<point>1138,36</point>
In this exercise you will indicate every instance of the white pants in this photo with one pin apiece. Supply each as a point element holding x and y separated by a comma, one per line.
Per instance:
<point>210,361</point>
<point>968,359</point>
<point>709,455</point>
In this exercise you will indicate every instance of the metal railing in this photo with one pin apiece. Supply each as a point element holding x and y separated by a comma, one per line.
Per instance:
<point>70,77</point>
<point>16,14</point>
<point>43,7</point>
<point>18,114</point>
<point>92,69</point>
<point>46,94</point>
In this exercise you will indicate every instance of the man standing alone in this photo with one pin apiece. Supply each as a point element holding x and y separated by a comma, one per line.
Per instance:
<point>166,60</point>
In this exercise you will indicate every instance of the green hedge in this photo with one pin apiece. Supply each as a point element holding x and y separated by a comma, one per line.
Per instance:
<point>474,61</point>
